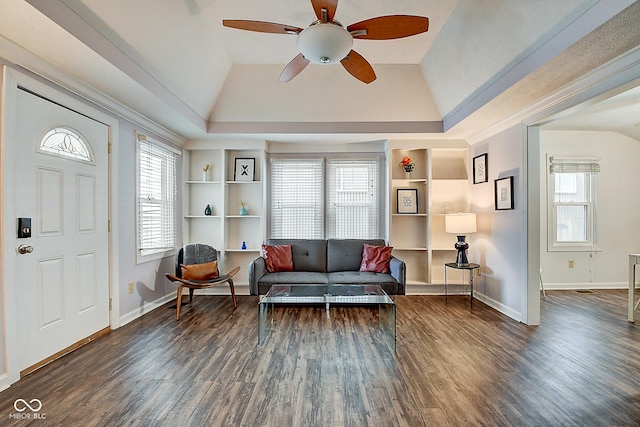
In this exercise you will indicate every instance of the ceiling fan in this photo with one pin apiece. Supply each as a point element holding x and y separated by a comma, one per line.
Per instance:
<point>327,41</point>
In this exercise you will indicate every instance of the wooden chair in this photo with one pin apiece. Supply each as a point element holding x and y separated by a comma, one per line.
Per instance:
<point>193,254</point>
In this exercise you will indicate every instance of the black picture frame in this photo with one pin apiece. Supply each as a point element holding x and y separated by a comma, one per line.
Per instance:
<point>244,169</point>
<point>407,201</point>
<point>480,169</point>
<point>503,193</point>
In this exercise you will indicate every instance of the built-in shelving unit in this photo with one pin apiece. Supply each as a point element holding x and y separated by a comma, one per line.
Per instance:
<point>225,229</point>
<point>441,179</point>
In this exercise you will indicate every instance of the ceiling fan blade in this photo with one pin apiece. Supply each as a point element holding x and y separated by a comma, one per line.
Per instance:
<point>389,27</point>
<point>293,68</point>
<point>359,67</point>
<point>329,5</point>
<point>261,26</point>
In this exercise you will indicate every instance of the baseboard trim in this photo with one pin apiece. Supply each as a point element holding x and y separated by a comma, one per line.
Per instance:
<point>4,382</point>
<point>146,308</point>
<point>583,285</point>
<point>64,351</point>
<point>498,306</point>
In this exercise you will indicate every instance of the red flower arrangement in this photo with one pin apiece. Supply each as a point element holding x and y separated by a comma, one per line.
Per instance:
<point>407,164</point>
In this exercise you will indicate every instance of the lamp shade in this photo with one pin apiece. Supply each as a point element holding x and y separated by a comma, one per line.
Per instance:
<point>460,223</point>
<point>325,43</point>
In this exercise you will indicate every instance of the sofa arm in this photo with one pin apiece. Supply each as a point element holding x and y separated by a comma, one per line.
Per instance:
<point>398,271</point>
<point>257,269</point>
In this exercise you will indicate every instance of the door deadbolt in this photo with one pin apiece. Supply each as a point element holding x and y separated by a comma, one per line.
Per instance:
<point>25,249</point>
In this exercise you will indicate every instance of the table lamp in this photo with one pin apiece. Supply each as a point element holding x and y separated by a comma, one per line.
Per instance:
<point>460,224</point>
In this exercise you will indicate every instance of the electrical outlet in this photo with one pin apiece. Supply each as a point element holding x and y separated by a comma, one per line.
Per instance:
<point>571,263</point>
<point>131,287</point>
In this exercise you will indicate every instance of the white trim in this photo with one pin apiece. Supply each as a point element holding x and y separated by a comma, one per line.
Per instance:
<point>498,306</point>
<point>582,285</point>
<point>146,308</point>
<point>4,382</point>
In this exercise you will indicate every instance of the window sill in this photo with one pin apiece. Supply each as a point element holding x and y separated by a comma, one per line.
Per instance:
<point>141,259</point>
<point>574,248</point>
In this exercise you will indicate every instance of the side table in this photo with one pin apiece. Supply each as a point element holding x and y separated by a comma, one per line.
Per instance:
<point>470,267</point>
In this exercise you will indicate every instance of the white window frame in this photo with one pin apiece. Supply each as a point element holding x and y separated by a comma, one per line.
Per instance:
<point>169,176</point>
<point>325,188</point>
<point>580,165</point>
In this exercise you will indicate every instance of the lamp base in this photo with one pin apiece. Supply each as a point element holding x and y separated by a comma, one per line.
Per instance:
<point>462,247</point>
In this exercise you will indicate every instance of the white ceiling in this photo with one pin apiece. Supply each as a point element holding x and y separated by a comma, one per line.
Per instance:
<point>173,62</point>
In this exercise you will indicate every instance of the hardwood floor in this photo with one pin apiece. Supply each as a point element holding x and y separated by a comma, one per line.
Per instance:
<point>453,366</point>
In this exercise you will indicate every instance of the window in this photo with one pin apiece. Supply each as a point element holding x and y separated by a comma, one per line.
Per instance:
<point>572,200</point>
<point>320,198</point>
<point>353,208</point>
<point>156,200</point>
<point>65,142</point>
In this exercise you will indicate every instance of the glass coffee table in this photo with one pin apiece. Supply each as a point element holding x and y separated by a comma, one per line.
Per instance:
<point>371,295</point>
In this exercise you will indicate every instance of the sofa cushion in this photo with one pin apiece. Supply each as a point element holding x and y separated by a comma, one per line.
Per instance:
<point>386,281</point>
<point>307,254</point>
<point>277,257</point>
<point>204,271</point>
<point>294,278</point>
<point>376,258</point>
<point>346,254</point>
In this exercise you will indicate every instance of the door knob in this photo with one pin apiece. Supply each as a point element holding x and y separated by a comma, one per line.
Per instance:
<point>25,249</point>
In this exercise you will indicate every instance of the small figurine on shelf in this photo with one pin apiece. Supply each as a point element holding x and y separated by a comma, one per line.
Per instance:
<point>207,210</point>
<point>244,246</point>
<point>205,172</point>
<point>243,208</point>
<point>407,165</point>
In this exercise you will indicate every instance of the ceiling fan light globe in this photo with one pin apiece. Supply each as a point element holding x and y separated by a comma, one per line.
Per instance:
<point>325,43</point>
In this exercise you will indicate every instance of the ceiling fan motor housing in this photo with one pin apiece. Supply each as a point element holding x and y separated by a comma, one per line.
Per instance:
<point>325,43</point>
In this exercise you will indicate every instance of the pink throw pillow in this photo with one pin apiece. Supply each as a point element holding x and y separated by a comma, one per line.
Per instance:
<point>278,258</point>
<point>376,258</point>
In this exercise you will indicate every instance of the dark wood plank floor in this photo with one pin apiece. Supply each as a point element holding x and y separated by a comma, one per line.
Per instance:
<point>453,366</point>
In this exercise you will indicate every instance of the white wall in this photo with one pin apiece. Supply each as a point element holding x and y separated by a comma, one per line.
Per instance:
<point>618,233</point>
<point>499,246</point>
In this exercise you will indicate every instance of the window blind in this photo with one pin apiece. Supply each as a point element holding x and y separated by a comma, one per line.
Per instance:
<point>574,165</point>
<point>353,196</point>
<point>156,198</point>
<point>297,199</point>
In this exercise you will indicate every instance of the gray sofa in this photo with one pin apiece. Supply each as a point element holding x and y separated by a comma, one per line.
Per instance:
<point>333,261</point>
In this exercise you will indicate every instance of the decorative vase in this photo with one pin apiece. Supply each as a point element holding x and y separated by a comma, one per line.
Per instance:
<point>244,246</point>
<point>243,211</point>
<point>407,174</point>
<point>207,210</point>
<point>205,175</point>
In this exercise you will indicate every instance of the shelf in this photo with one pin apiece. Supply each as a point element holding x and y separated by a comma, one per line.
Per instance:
<point>236,250</point>
<point>242,182</point>
<point>203,182</point>
<point>202,216</point>
<point>423,215</point>
<point>410,249</point>
<point>418,180</point>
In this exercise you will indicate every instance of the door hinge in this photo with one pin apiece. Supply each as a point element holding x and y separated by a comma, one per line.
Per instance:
<point>109,226</point>
<point>109,148</point>
<point>110,304</point>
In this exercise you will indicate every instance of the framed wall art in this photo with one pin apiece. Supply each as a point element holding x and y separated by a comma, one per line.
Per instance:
<point>480,171</point>
<point>244,169</point>
<point>407,200</point>
<point>504,193</point>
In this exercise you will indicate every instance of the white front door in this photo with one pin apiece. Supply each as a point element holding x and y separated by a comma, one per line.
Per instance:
<point>62,286</point>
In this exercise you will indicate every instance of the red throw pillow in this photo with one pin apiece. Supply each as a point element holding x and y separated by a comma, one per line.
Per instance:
<point>278,258</point>
<point>204,271</point>
<point>376,258</point>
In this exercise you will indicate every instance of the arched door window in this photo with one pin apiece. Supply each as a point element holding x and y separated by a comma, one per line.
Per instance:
<point>67,143</point>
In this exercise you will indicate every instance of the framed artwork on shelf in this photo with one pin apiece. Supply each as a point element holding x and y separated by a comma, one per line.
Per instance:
<point>480,171</point>
<point>407,200</point>
<point>244,169</point>
<point>504,193</point>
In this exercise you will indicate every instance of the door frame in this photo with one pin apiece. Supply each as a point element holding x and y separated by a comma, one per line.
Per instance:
<point>11,79</point>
